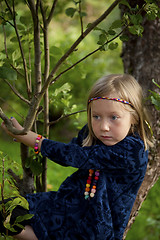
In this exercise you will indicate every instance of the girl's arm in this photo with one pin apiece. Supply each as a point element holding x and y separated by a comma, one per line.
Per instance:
<point>28,139</point>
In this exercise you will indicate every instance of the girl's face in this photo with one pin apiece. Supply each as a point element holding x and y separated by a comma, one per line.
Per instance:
<point>110,121</point>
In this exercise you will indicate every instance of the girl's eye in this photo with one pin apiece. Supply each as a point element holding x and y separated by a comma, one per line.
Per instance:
<point>96,117</point>
<point>114,117</point>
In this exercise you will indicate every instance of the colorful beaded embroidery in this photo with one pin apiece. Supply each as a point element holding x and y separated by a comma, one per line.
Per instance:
<point>114,99</point>
<point>90,192</point>
<point>36,144</point>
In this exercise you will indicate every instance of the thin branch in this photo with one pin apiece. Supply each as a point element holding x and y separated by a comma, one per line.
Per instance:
<point>17,93</point>
<point>7,21</point>
<point>5,45</point>
<point>80,16</point>
<point>8,7</point>
<point>5,40</point>
<point>2,187</point>
<point>65,116</point>
<point>19,73</point>
<point>1,99</point>
<point>52,11</point>
<point>37,48</point>
<point>22,53</point>
<point>37,6</point>
<point>15,178</point>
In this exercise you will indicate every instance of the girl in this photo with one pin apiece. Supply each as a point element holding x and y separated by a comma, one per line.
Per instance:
<point>111,155</point>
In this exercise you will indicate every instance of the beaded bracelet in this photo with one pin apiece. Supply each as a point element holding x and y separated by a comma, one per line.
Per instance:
<point>36,144</point>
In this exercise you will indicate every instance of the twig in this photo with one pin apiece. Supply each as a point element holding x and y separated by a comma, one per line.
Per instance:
<point>2,186</point>
<point>22,53</point>
<point>37,48</point>
<point>52,11</point>
<point>5,41</point>
<point>65,116</point>
<point>17,93</point>
<point>80,15</point>
<point>1,99</point>
<point>15,178</point>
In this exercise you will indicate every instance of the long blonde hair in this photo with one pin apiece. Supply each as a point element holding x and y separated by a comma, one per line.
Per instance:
<point>128,89</point>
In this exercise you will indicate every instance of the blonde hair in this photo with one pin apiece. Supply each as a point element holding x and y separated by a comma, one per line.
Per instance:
<point>127,88</point>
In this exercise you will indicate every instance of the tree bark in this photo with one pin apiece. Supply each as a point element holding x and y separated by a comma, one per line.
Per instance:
<point>141,58</point>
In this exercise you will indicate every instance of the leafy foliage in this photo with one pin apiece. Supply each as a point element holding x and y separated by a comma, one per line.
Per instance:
<point>15,199</point>
<point>155,97</point>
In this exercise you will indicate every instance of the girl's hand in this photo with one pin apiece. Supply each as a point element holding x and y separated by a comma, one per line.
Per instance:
<point>15,124</point>
<point>28,139</point>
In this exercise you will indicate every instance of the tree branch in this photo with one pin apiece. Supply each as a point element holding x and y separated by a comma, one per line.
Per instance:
<point>65,116</point>
<point>17,93</point>
<point>22,53</point>
<point>52,11</point>
<point>1,99</point>
<point>80,16</point>
<point>15,178</point>
<point>37,49</point>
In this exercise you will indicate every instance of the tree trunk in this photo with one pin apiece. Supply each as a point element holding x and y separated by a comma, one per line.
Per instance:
<point>141,59</point>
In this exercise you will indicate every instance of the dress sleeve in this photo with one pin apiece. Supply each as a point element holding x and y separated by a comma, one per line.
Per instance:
<point>125,156</point>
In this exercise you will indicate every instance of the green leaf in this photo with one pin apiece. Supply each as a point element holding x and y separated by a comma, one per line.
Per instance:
<point>70,12</point>
<point>83,14</point>
<point>156,102</point>
<point>136,19</point>
<point>63,89</point>
<point>13,39</point>
<point>124,38</point>
<point>113,45</point>
<point>111,32</point>
<point>24,20</point>
<point>102,39</point>
<point>152,10</point>
<point>24,217</point>
<point>20,27</point>
<point>124,2</point>
<point>21,201</point>
<point>155,83</point>
<point>36,168</point>
<point>116,24</point>
<point>136,30</point>
<point>8,73</point>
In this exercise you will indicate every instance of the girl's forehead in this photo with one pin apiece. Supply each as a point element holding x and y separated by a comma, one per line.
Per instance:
<point>106,105</point>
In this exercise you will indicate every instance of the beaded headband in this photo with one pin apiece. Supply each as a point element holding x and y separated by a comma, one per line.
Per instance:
<point>114,99</point>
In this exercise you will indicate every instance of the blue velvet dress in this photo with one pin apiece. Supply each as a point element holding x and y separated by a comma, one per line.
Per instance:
<point>66,215</point>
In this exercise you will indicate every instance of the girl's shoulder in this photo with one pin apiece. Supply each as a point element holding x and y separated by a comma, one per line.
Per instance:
<point>134,140</point>
<point>129,145</point>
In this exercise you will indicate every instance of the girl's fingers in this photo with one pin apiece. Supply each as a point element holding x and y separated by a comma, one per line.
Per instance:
<point>16,123</point>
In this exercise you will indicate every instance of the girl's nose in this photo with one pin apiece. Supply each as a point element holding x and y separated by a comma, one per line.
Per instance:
<point>104,126</point>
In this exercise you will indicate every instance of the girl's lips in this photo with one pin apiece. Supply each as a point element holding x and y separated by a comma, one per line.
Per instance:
<point>106,137</point>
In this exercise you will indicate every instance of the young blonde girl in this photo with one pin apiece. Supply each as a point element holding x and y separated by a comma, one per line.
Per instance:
<point>111,155</point>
